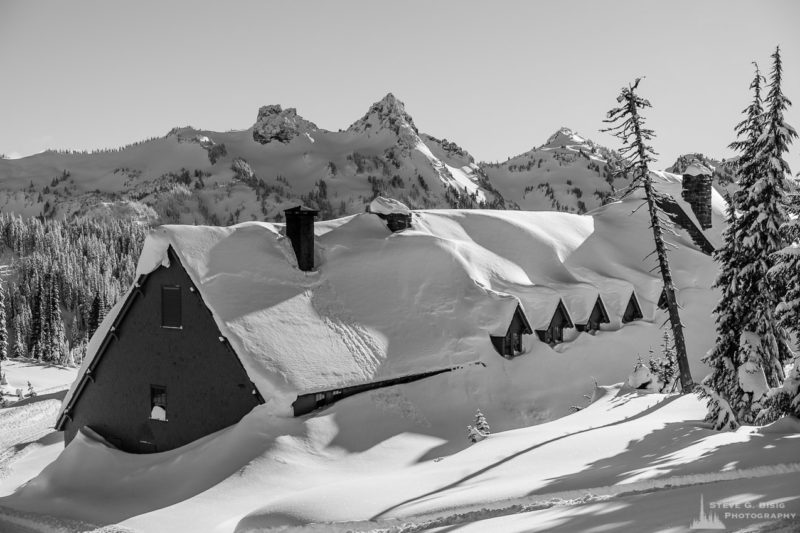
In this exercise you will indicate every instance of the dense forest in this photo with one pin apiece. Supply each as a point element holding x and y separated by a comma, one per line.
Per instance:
<point>60,280</point>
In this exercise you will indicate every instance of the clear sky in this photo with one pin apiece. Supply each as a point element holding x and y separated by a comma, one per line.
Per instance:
<point>498,77</point>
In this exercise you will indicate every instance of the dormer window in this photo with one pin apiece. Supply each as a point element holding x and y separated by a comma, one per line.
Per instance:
<point>171,307</point>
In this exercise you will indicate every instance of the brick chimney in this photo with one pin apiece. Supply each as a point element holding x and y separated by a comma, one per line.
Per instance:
<point>697,191</point>
<point>300,230</point>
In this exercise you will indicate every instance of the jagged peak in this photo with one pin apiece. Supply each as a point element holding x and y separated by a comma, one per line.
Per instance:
<point>277,124</point>
<point>565,136</point>
<point>387,113</point>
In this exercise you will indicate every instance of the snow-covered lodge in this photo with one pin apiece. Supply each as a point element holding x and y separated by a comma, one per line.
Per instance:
<point>221,320</point>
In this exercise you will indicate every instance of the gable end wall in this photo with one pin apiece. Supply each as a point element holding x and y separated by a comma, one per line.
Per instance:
<point>207,387</point>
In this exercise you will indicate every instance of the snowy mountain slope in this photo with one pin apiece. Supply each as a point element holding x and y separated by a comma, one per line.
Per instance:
<point>198,176</point>
<point>567,173</point>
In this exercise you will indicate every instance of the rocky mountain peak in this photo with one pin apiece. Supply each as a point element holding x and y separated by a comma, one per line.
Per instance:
<point>563,137</point>
<point>277,124</point>
<point>388,113</point>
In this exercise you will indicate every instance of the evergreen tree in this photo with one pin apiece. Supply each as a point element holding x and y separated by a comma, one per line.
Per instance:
<point>36,315</point>
<point>3,324</point>
<point>728,319</point>
<point>481,424</point>
<point>751,345</point>
<point>95,314</point>
<point>19,349</point>
<point>787,269</point>
<point>58,341</point>
<point>663,368</point>
<point>630,129</point>
<point>473,435</point>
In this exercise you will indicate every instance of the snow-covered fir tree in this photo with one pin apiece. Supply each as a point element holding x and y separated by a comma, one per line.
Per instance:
<point>473,435</point>
<point>751,345</point>
<point>3,324</point>
<point>637,154</point>
<point>481,424</point>
<point>664,367</point>
<point>787,269</point>
<point>84,258</point>
<point>58,340</point>
<point>719,384</point>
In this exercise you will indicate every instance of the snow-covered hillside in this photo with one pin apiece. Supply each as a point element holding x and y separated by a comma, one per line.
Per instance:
<point>567,173</point>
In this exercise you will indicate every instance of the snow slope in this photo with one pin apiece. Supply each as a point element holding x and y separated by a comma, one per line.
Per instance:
<point>630,461</point>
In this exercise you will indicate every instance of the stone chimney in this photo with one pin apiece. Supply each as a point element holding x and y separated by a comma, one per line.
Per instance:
<point>300,230</point>
<point>697,191</point>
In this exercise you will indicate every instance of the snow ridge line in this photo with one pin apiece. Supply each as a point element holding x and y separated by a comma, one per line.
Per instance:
<point>537,502</point>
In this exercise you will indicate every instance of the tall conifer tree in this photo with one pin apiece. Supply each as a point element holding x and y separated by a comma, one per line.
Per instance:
<point>751,345</point>
<point>3,324</point>
<point>630,129</point>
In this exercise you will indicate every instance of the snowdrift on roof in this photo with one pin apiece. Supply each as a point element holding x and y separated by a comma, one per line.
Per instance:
<point>383,305</point>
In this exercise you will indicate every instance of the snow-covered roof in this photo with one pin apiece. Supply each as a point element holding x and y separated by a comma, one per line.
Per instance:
<point>382,304</point>
<point>540,305</point>
<point>505,306</point>
<point>580,301</point>
<point>388,206</point>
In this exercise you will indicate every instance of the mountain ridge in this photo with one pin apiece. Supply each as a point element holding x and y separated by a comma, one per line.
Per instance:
<point>201,176</point>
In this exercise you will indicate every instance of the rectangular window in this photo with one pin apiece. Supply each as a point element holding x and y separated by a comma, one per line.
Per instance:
<point>171,306</point>
<point>158,403</point>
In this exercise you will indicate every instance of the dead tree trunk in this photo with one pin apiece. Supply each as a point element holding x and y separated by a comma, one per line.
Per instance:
<point>687,384</point>
<point>629,128</point>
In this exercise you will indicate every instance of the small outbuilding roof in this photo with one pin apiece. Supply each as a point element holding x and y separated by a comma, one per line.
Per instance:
<point>388,206</point>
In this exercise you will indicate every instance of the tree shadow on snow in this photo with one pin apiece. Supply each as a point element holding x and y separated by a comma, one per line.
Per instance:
<point>513,456</point>
<point>667,452</point>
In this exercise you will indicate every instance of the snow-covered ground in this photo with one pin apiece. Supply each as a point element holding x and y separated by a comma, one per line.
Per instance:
<point>27,439</point>
<point>630,461</point>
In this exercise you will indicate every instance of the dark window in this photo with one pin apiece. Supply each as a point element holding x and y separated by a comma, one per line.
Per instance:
<point>171,306</point>
<point>158,403</point>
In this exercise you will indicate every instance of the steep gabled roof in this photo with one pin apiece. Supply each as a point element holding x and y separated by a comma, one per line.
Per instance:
<point>580,300</point>
<point>102,338</point>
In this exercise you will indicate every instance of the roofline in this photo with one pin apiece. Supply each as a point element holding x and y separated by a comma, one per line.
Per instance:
<point>110,335</point>
<point>563,307</point>
<point>603,309</point>
<point>524,317</point>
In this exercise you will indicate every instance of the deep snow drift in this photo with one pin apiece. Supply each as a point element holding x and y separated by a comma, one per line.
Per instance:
<point>385,304</point>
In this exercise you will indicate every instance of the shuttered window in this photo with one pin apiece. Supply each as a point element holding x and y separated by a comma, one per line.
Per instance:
<point>171,306</point>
